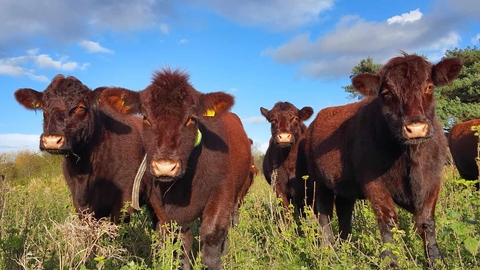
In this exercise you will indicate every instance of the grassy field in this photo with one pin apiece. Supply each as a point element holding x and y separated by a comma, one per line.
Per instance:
<point>39,230</point>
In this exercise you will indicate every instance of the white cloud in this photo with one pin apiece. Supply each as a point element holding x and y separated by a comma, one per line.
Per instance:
<point>255,120</point>
<point>412,16</point>
<point>276,14</point>
<point>476,39</point>
<point>27,65</point>
<point>71,21</point>
<point>333,54</point>
<point>164,28</point>
<point>16,142</point>
<point>94,47</point>
<point>183,41</point>
<point>45,61</point>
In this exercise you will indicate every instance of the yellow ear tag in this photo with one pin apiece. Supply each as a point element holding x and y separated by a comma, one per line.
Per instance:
<point>36,104</point>
<point>198,139</point>
<point>209,112</point>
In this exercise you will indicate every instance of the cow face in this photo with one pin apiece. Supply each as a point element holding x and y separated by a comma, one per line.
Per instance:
<point>172,111</point>
<point>68,108</point>
<point>405,89</point>
<point>285,121</point>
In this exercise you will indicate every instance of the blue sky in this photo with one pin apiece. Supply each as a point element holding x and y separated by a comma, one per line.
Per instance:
<point>261,51</point>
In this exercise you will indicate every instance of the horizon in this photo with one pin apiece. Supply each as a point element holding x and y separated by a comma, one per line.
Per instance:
<point>261,52</point>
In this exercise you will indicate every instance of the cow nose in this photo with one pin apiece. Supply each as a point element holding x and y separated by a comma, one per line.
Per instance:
<point>165,167</point>
<point>415,130</point>
<point>284,138</point>
<point>53,142</point>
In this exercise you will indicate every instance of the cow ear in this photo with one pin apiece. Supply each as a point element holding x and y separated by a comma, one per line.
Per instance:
<point>94,97</point>
<point>305,113</point>
<point>29,98</point>
<point>445,71</point>
<point>264,112</point>
<point>366,84</point>
<point>215,103</point>
<point>121,100</point>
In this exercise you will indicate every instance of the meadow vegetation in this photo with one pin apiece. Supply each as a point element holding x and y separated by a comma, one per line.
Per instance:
<point>40,230</point>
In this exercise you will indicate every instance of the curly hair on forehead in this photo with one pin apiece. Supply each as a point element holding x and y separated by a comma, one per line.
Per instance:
<point>66,87</point>
<point>170,92</point>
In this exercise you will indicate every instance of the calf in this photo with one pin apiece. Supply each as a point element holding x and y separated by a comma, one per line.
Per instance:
<point>197,152</point>
<point>101,153</point>
<point>280,161</point>
<point>463,146</point>
<point>388,148</point>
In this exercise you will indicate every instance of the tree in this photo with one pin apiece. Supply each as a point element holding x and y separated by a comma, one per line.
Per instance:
<point>460,101</point>
<point>365,66</point>
<point>457,102</point>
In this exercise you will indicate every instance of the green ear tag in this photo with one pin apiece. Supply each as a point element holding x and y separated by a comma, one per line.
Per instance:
<point>198,139</point>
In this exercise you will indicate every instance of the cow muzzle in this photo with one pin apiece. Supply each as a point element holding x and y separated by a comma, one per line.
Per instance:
<point>284,138</point>
<point>52,142</point>
<point>415,130</point>
<point>165,168</point>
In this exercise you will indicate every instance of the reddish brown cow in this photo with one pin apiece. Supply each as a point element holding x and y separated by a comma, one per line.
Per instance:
<point>388,148</point>
<point>197,152</point>
<point>96,166</point>
<point>280,161</point>
<point>463,146</point>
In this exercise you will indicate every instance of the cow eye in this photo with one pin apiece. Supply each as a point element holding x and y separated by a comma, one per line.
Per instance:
<point>146,121</point>
<point>429,89</point>
<point>80,110</point>
<point>386,93</point>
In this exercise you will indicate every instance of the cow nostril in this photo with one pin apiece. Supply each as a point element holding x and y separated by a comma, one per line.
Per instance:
<point>415,130</point>
<point>284,138</point>
<point>165,167</point>
<point>53,142</point>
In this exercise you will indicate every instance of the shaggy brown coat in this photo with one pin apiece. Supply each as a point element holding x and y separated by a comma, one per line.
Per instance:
<point>280,161</point>
<point>388,148</point>
<point>197,152</point>
<point>102,153</point>
<point>463,146</point>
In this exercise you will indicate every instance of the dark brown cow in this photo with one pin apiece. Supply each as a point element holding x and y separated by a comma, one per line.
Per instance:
<point>102,153</point>
<point>197,152</point>
<point>463,146</point>
<point>280,161</point>
<point>388,148</point>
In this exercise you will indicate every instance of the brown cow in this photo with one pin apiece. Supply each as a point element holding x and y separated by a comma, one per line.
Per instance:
<point>246,186</point>
<point>280,161</point>
<point>463,146</point>
<point>197,152</point>
<point>102,153</point>
<point>388,148</point>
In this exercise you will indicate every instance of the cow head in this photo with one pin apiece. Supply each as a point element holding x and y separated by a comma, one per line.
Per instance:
<point>405,90</point>
<point>172,111</point>
<point>68,113</point>
<point>285,120</point>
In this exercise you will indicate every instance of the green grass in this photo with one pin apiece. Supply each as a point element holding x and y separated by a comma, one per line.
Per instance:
<point>39,230</point>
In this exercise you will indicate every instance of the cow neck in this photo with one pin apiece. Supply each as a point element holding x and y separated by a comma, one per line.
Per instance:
<point>82,155</point>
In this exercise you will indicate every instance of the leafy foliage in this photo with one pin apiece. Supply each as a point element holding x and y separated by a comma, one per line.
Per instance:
<point>365,66</point>
<point>39,230</point>
<point>460,101</point>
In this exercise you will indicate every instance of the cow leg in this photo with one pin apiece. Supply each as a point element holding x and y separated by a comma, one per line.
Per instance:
<point>425,224</point>
<point>214,230</point>
<point>325,198</point>
<point>384,209</point>
<point>187,238</point>
<point>344,207</point>
<point>280,190</point>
